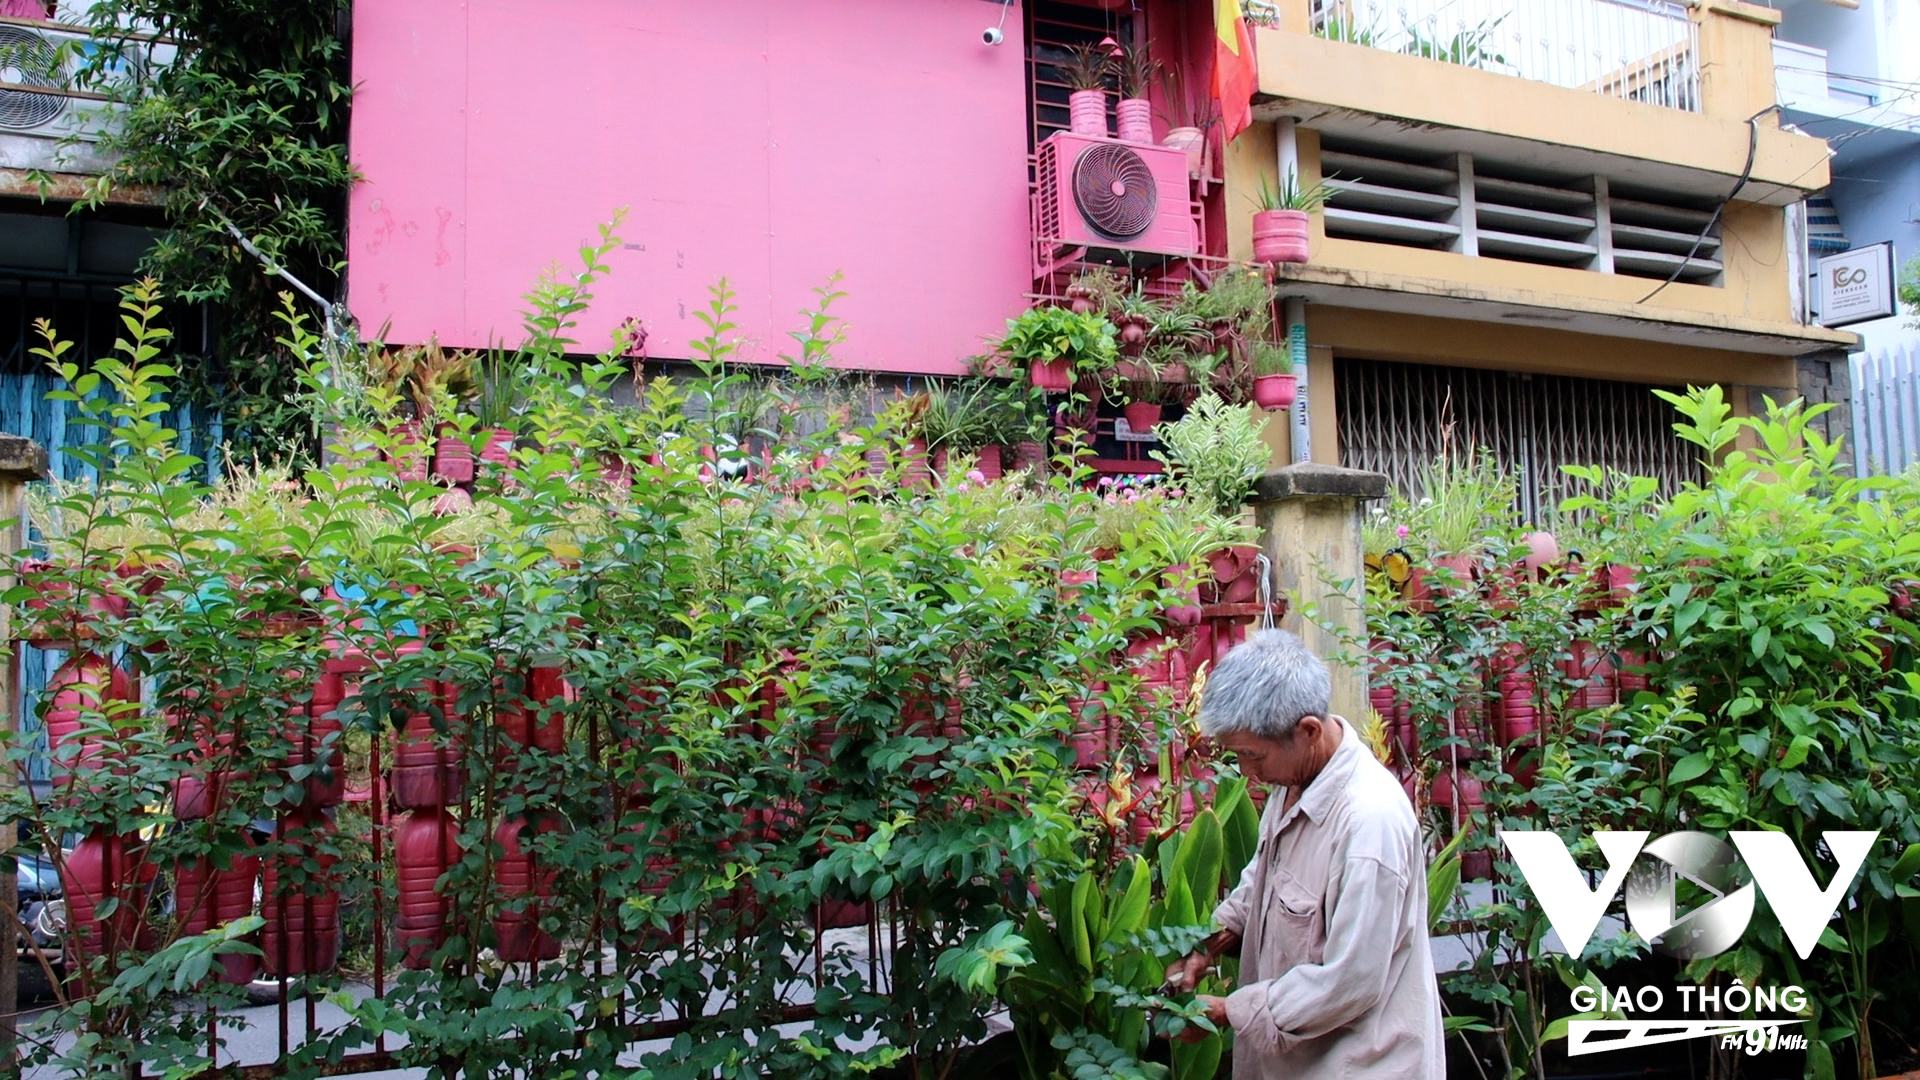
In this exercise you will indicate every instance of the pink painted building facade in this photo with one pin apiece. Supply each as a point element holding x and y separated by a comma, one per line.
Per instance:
<point>772,142</point>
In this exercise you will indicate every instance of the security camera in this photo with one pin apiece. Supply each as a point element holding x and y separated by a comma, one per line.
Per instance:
<point>992,35</point>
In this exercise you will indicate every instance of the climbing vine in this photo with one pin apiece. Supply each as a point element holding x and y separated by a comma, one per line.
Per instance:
<point>242,130</point>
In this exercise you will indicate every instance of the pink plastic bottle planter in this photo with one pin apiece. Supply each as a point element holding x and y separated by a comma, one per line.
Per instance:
<point>1135,119</point>
<point>1087,112</point>
<point>1274,392</point>
<point>1280,236</point>
<point>1052,376</point>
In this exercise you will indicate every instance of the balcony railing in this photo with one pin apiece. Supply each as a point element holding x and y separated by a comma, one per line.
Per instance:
<point>1640,50</point>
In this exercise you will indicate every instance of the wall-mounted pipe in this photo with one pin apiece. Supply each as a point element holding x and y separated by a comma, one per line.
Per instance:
<point>1294,312</point>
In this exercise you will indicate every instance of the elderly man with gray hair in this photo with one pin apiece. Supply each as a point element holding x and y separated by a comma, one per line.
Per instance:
<point>1336,978</point>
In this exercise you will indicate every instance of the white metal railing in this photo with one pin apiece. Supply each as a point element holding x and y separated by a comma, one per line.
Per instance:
<point>1641,50</point>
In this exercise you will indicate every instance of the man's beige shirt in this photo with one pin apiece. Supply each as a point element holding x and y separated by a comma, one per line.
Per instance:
<point>1336,978</point>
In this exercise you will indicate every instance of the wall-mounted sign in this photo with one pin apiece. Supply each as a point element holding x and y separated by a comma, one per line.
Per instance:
<point>1855,286</point>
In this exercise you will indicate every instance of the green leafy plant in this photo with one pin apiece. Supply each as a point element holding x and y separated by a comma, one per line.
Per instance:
<point>243,132</point>
<point>1469,48</point>
<point>1087,67</point>
<point>1287,194</point>
<point>1216,452</point>
<point>1046,334</point>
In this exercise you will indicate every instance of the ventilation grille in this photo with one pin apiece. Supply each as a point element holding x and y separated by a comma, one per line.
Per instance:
<point>1652,235</point>
<point>1413,202</point>
<point>1047,170</point>
<point>1503,210</point>
<point>30,59</point>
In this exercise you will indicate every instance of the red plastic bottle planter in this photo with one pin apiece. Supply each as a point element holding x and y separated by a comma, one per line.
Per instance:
<point>102,866</point>
<point>426,764</point>
<point>522,884</point>
<point>301,904</point>
<point>426,844</point>
<point>523,725</point>
<point>315,735</point>
<point>207,898</point>
<point>87,682</point>
<point>1092,737</point>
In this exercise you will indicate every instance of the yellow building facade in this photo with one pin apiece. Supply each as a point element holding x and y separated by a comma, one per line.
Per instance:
<point>1589,240</point>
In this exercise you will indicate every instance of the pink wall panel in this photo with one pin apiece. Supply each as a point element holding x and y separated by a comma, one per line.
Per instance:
<point>771,141</point>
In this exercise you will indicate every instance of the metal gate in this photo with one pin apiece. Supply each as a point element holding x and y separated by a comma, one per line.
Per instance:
<point>1886,411</point>
<point>1395,418</point>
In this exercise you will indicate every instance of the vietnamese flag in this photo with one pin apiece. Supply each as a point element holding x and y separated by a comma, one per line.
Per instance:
<point>1234,76</point>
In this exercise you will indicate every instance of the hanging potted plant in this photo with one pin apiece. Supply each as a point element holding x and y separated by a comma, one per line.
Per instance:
<point>1134,316</point>
<point>1085,72</point>
<point>1280,233</point>
<point>1134,113</point>
<point>1056,345</point>
<point>1274,383</point>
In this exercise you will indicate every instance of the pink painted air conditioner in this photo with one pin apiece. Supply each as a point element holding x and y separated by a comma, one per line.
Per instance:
<point>1115,199</point>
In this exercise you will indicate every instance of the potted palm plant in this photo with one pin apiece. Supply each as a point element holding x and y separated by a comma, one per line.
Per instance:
<point>494,401</point>
<point>1274,383</point>
<point>1134,113</point>
<point>1188,117</point>
<point>1134,315</point>
<point>1280,232</point>
<point>1085,72</point>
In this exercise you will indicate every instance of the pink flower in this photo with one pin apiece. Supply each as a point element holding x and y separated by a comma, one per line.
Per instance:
<point>975,476</point>
<point>962,485</point>
<point>1401,532</point>
<point>1111,498</point>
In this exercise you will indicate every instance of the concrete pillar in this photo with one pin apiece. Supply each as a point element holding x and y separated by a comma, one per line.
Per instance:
<point>21,460</point>
<point>1309,518</point>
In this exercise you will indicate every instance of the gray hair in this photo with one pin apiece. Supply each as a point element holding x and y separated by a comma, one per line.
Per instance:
<point>1264,687</point>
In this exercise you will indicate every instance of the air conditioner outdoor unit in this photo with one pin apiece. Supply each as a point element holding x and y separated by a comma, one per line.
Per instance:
<point>33,59</point>
<point>1117,200</point>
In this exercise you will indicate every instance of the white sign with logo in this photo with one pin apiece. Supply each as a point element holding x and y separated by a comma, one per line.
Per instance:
<point>1855,286</point>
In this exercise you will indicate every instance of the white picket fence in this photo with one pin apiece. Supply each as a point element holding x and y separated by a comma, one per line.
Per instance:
<point>1886,410</point>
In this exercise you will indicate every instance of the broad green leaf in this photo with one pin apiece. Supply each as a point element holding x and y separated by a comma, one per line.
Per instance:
<point>1691,767</point>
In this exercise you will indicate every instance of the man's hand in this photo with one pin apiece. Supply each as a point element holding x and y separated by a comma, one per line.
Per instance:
<point>1216,1014</point>
<point>1185,973</point>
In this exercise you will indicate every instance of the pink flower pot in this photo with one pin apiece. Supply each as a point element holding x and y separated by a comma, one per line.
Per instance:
<point>1052,376</point>
<point>1087,112</point>
<point>990,464</point>
<point>1141,416</point>
<point>1280,236</point>
<point>452,458</point>
<point>499,448</point>
<point>1190,139</point>
<point>1274,392</point>
<point>1135,120</point>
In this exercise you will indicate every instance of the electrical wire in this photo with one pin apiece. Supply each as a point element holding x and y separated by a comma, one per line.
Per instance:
<point>1746,171</point>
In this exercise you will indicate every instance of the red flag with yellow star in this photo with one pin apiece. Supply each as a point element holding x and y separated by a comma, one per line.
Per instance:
<point>1234,75</point>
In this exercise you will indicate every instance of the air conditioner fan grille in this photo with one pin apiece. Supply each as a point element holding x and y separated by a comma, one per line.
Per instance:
<point>28,58</point>
<point>1114,189</point>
